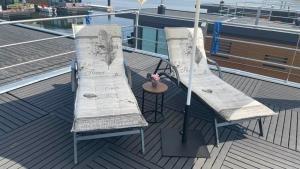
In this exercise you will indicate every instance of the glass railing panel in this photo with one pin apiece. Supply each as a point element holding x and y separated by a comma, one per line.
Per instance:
<point>34,48</point>
<point>278,60</point>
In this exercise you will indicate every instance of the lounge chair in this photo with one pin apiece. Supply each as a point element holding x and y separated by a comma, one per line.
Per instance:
<point>104,105</point>
<point>229,104</point>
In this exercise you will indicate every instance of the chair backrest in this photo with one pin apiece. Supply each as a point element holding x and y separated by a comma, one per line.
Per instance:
<point>99,50</point>
<point>180,44</point>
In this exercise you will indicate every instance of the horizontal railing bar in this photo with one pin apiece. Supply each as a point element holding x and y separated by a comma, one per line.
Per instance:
<point>63,17</point>
<point>226,23</point>
<point>255,60</point>
<point>256,43</point>
<point>254,66</point>
<point>31,61</point>
<point>38,40</point>
<point>234,40</point>
<point>265,6</point>
<point>140,39</point>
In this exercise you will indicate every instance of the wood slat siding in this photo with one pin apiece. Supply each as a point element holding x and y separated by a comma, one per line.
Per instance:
<point>258,52</point>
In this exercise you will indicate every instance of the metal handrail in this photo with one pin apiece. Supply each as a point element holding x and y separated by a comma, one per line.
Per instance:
<point>243,58</point>
<point>137,38</point>
<point>37,40</point>
<point>256,60</point>
<point>31,61</point>
<point>227,39</point>
<point>274,5</point>
<point>64,17</point>
<point>257,43</point>
<point>226,23</point>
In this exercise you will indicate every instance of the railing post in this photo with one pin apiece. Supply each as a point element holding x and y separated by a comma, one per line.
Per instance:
<point>258,15</point>
<point>236,7</point>
<point>293,60</point>
<point>284,5</point>
<point>270,14</point>
<point>136,28</point>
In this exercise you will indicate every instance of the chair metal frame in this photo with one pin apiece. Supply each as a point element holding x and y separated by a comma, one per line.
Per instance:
<point>107,133</point>
<point>176,80</point>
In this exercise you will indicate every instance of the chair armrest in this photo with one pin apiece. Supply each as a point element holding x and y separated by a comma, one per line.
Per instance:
<point>128,73</point>
<point>74,69</point>
<point>217,65</point>
<point>174,70</point>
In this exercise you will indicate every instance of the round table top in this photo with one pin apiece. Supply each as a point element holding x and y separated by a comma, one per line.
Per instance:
<point>161,88</point>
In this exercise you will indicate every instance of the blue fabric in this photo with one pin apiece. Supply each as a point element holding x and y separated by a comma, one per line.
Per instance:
<point>215,38</point>
<point>88,19</point>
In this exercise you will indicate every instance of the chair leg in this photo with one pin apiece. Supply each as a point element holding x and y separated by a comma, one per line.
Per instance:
<point>216,132</point>
<point>260,127</point>
<point>142,141</point>
<point>75,148</point>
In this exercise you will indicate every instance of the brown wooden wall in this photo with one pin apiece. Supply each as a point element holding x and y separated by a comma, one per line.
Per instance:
<point>259,52</point>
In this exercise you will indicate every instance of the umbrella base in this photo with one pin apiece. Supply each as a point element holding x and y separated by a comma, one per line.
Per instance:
<point>193,147</point>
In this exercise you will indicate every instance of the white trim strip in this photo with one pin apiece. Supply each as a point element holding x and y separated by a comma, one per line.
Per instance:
<point>257,76</point>
<point>33,79</point>
<point>38,40</point>
<point>49,57</point>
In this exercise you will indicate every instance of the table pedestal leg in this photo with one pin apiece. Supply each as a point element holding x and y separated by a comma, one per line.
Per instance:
<point>143,101</point>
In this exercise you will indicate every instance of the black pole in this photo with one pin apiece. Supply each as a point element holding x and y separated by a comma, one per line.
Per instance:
<point>109,16</point>
<point>161,9</point>
<point>185,123</point>
<point>4,4</point>
<point>156,41</point>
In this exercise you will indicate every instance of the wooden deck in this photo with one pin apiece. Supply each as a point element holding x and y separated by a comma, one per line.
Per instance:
<point>35,123</point>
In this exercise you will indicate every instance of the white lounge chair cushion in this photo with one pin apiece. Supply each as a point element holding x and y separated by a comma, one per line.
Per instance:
<point>230,103</point>
<point>104,100</point>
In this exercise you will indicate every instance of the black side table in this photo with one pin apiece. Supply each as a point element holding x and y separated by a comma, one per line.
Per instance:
<point>160,89</point>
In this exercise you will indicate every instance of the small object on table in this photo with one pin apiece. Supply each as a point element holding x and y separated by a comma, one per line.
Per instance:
<point>160,89</point>
<point>155,79</point>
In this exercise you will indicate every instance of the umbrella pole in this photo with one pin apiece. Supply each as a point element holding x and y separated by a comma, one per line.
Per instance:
<point>189,94</point>
<point>187,143</point>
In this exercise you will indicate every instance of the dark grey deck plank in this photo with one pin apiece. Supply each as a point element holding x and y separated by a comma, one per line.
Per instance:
<point>231,165</point>
<point>86,150</point>
<point>223,135</point>
<point>215,154</point>
<point>225,167</point>
<point>105,163</point>
<point>236,161</point>
<point>207,130</point>
<point>272,128</point>
<point>279,127</point>
<point>293,130</point>
<point>222,154</point>
<point>259,156</point>
<point>286,129</point>
<point>194,125</point>
<point>100,165</point>
<point>134,157</point>
<point>298,133</point>
<point>13,155</point>
<point>237,156</point>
